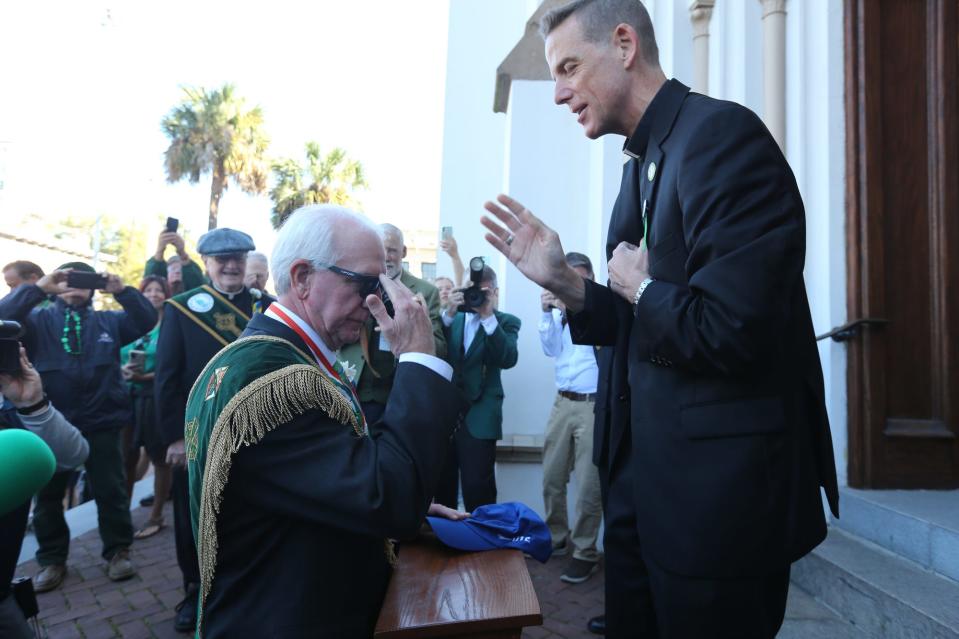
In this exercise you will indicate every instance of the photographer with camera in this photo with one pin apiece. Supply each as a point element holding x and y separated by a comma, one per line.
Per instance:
<point>481,342</point>
<point>77,353</point>
<point>188,271</point>
<point>23,406</point>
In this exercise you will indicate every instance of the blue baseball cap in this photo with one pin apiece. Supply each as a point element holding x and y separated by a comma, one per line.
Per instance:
<point>509,525</point>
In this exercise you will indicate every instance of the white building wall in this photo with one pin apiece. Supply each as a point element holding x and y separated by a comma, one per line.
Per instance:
<point>735,53</point>
<point>481,33</point>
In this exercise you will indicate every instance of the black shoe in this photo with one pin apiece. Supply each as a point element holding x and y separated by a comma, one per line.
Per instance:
<point>185,620</point>
<point>147,501</point>
<point>597,625</point>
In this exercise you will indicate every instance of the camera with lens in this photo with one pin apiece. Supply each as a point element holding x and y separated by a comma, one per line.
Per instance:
<point>473,295</point>
<point>10,333</point>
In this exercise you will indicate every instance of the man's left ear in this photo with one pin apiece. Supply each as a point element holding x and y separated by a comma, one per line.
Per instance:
<point>404,250</point>
<point>626,41</point>
<point>300,272</point>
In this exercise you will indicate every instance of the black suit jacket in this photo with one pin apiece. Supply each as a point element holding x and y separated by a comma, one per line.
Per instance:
<point>717,364</point>
<point>307,510</point>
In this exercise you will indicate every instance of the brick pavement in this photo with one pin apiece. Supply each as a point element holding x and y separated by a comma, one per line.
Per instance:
<point>90,606</point>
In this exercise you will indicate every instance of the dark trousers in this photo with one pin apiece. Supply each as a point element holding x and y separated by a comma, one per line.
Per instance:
<point>186,555</point>
<point>13,625</point>
<point>470,462</point>
<point>645,601</point>
<point>105,472</point>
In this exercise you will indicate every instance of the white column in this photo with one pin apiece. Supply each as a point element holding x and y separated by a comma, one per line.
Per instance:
<point>700,11</point>
<point>774,68</point>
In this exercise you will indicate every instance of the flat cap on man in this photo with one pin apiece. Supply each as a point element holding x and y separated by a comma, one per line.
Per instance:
<point>224,241</point>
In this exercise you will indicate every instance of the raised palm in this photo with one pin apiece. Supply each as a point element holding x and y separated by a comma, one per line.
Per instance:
<point>533,247</point>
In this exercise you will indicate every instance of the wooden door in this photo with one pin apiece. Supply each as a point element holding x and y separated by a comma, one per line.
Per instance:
<point>902,128</point>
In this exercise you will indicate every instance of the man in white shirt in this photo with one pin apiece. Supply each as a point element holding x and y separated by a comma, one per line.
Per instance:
<point>569,437</point>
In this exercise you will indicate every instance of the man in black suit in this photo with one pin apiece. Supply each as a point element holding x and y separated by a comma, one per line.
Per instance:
<point>712,490</point>
<point>293,495</point>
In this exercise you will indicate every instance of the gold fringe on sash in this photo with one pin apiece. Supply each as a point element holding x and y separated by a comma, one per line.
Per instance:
<point>270,401</point>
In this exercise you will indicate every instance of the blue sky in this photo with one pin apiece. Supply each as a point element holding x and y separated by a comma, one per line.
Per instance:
<point>85,84</point>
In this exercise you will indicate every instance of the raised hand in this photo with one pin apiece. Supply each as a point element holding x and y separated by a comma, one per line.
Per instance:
<point>453,302</point>
<point>114,283</point>
<point>25,389</point>
<point>533,247</point>
<point>450,247</point>
<point>54,282</point>
<point>410,329</point>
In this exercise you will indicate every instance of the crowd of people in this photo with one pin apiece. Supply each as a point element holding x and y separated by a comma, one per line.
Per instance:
<point>298,434</point>
<point>122,379</point>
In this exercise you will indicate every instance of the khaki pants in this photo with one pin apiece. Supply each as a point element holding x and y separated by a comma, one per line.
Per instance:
<point>569,447</point>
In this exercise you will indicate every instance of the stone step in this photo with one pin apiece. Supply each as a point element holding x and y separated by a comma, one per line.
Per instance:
<point>880,593</point>
<point>806,618</point>
<point>920,525</point>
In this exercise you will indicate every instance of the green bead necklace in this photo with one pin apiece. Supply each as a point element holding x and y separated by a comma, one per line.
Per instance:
<point>65,339</point>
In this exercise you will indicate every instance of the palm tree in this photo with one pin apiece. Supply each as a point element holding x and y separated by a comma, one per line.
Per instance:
<point>328,179</point>
<point>212,131</point>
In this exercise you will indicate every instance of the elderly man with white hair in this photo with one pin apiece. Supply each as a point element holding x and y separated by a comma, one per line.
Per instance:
<point>293,502</point>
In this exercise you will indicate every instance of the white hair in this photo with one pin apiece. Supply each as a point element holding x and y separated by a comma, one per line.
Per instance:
<point>311,233</point>
<point>390,229</point>
<point>252,256</point>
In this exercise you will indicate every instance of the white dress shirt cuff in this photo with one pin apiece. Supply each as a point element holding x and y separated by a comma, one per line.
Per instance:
<point>447,320</point>
<point>489,324</point>
<point>435,364</point>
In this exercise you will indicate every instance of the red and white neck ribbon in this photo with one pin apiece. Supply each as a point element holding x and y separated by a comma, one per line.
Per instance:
<point>275,312</point>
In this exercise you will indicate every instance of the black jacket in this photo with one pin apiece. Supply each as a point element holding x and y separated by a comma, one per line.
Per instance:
<point>183,349</point>
<point>306,511</point>
<point>717,364</point>
<point>87,388</point>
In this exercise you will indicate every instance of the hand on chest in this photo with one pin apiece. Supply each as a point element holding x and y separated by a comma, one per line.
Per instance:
<point>647,213</point>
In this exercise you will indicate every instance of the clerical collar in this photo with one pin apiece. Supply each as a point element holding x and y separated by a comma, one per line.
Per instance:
<point>229,296</point>
<point>329,354</point>
<point>635,145</point>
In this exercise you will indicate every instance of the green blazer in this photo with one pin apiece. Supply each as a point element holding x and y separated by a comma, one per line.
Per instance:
<point>376,387</point>
<point>477,372</point>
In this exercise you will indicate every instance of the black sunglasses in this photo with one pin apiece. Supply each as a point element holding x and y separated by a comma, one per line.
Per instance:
<point>366,284</point>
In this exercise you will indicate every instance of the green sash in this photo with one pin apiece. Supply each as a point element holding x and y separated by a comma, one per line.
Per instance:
<point>248,389</point>
<point>212,312</point>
